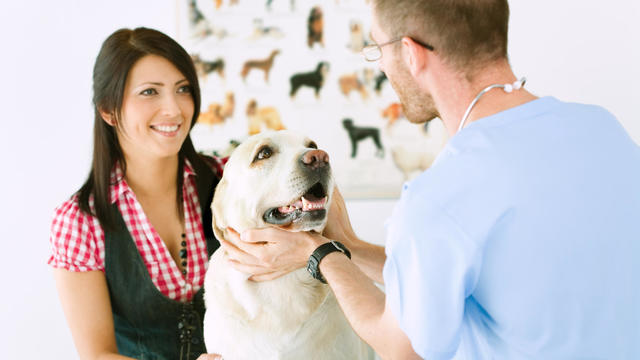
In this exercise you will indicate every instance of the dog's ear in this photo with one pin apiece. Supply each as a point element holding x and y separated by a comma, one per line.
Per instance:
<point>219,224</point>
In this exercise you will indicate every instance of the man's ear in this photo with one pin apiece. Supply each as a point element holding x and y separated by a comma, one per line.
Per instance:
<point>107,117</point>
<point>415,56</point>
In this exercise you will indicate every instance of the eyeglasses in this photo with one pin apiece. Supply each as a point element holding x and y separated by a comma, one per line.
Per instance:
<point>373,52</point>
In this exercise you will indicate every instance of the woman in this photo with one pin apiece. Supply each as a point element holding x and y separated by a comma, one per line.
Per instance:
<point>130,248</point>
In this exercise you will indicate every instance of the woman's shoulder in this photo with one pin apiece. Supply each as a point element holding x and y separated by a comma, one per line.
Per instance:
<point>74,238</point>
<point>71,211</point>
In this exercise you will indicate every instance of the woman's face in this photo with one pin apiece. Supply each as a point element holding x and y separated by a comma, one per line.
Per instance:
<point>157,109</point>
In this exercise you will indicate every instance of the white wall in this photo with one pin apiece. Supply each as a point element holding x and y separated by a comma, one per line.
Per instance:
<point>582,51</point>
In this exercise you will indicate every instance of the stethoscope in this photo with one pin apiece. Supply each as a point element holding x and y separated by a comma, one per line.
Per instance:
<point>508,88</point>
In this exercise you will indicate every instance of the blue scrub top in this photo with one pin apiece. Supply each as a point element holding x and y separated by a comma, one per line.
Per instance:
<point>522,241</point>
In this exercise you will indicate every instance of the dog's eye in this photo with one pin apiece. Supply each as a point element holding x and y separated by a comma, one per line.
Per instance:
<point>312,145</point>
<point>264,153</point>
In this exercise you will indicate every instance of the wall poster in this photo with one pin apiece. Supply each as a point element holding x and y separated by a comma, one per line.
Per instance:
<point>296,64</point>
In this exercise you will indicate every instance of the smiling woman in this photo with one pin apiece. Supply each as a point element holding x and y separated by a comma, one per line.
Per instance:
<point>130,248</point>
<point>156,114</point>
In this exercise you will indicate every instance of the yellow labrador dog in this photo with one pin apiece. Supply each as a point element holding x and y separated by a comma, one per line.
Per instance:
<point>274,179</point>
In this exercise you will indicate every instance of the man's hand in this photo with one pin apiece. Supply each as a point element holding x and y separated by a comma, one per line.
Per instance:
<point>269,253</point>
<point>210,357</point>
<point>338,225</point>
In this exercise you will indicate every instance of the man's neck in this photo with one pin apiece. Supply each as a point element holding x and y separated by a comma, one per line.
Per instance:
<point>452,101</point>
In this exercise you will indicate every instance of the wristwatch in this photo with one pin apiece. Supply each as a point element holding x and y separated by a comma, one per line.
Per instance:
<point>322,251</point>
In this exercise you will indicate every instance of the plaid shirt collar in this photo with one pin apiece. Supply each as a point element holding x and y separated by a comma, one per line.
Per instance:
<point>119,185</point>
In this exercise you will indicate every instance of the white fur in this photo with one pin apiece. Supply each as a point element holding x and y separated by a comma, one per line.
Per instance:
<point>294,316</point>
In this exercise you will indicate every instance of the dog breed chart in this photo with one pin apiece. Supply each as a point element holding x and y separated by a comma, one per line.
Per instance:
<point>297,65</point>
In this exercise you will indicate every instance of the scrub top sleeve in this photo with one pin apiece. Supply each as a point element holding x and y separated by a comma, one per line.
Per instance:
<point>431,267</point>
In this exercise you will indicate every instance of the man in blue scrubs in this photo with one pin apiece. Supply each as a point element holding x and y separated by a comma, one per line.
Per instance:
<point>522,241</point>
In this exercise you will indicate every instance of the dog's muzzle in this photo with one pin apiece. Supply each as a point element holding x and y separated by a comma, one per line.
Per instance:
<point>310,206</point>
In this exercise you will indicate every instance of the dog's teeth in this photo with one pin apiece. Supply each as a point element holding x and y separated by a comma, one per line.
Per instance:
<point>311,205</point>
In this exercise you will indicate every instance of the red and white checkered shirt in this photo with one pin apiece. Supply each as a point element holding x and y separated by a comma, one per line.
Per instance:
<point>77,239</point>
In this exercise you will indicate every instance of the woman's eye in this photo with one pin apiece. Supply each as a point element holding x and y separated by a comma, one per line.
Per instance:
<point>185,89</point>
<point>150,91</point>
<point>264,153</point>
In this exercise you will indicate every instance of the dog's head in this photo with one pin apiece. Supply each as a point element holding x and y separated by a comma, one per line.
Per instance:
<point>274,179</point>
<point>252,106</point>
<point>347,123</point>
<point>323,68</point>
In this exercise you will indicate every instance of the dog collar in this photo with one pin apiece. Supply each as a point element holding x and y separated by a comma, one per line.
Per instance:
<point>313,265</point>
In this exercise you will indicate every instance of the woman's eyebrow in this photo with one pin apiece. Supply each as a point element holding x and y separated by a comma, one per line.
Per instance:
<point>161,83</point>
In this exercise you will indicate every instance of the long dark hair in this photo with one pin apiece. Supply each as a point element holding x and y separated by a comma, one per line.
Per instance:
<point>119,52</point>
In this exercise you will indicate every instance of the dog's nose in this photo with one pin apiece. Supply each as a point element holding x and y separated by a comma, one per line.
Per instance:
<point>315,158</point>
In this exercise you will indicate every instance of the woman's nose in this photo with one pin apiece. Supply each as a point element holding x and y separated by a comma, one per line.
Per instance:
<point>170,106</point>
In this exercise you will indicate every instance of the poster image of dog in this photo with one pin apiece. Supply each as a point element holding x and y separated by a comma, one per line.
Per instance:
<point>200,27</point>
<point>218,3</point>
<point>414,147</point>
<point>204,68</point>
<point>217,113</point>
<point>263,64</point>
<point>315,26</point>
<point>392,113</point>
<point>263,118</point>
<point>274,179</point>
<point>356,37</point>
<point>360,133</point>
<point>260,31</point>
<point>313,79</point>
<point>380,79</point>
<point>351,82</point>
<point>292,5</point>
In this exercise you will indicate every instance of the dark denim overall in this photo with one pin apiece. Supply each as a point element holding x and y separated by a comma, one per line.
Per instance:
<point>148,325</point>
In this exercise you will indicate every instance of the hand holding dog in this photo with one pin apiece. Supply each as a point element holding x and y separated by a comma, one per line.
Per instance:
<point>210,357</point>
<point>338,224</point>
<point>269,253</point>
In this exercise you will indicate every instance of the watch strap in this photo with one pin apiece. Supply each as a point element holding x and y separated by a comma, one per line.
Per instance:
<point>313,265</point>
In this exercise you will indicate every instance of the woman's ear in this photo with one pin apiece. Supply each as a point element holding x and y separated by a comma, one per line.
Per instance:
<point>107,117</point>
<point>415,56</point>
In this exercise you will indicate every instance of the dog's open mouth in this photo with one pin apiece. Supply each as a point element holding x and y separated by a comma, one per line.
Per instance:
<point>312,203</point>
